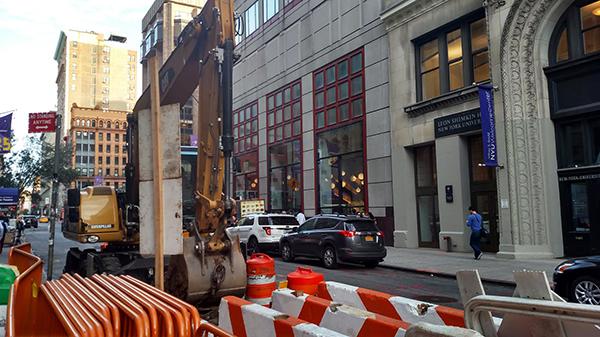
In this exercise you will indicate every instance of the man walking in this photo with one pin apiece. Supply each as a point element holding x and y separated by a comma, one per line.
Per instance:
<point>474,222</point>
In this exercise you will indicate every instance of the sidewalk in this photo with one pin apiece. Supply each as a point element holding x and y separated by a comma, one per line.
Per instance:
<point>435,261</point>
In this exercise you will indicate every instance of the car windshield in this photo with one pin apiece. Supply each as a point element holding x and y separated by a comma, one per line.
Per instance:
<point>361,226</point>
<point>283,221</point>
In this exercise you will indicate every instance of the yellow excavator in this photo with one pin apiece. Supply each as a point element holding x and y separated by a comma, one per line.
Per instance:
<point>212,264</point>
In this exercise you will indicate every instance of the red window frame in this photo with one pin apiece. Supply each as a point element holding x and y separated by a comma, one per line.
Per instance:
<point>352,80</point>
<point>339,101</point>
<point>274,123</point>
<point>246,146</point>
<point>277,123</point>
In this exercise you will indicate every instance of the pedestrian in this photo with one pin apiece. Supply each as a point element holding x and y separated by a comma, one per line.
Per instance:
<point>300,217</point>
<point>474,222</point>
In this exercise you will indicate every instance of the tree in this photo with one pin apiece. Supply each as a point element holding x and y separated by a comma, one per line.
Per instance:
<point>21,169</point>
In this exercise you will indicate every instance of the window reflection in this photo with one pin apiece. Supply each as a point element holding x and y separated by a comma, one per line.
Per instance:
<point>340,170</point>
<point>430,63</point>
<point>285,177</point>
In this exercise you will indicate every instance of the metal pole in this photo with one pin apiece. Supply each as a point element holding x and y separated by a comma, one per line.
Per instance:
<point>227,137</point>
<point>54,201</point>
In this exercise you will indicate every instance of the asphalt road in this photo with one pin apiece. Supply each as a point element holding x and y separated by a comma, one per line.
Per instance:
<point>38,237</point>
<point>423,287</point>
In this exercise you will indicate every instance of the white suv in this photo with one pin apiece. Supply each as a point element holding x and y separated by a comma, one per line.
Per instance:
<point>261,232</point>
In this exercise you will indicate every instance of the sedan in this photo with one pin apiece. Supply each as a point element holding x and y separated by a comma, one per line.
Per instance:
<point>578,280</point>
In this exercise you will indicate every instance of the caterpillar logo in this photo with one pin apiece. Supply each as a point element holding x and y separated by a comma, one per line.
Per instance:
<point>101,226</point>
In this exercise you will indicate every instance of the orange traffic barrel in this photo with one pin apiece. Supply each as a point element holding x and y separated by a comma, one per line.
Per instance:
<point>304,279</point>
<point>261,278</point>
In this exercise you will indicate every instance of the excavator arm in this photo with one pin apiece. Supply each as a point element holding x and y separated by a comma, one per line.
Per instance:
<point>211,264</point>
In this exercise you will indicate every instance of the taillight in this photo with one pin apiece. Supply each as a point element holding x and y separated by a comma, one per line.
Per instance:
<point>103,246</point>
<point>348,234</point>
<point>380,233</point>
<point>267,230</point>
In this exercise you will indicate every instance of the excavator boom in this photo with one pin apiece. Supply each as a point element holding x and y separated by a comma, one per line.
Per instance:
<point>212,264</point>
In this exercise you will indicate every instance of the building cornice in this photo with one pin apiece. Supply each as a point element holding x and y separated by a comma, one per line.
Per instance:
<point>62,40</point>
<point>397,13</point>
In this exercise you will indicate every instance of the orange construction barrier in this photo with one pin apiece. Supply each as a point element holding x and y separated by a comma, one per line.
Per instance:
<point>100,306</point>
<point>304,279</point>
<point>261,279</point>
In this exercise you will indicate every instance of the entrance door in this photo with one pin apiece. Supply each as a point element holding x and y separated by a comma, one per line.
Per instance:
<point>484,194</point>
<point>580,213</point>
<point>486,204</point>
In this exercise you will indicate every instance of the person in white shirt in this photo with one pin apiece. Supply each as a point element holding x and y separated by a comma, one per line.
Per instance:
<point>300,217</point>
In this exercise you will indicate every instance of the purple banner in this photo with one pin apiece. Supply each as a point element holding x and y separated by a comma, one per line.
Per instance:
<point>5,123</point>
<point>488,125</point>
<point>5,144</point>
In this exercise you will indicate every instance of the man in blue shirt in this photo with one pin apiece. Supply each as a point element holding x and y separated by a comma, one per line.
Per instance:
<point>474,222</point>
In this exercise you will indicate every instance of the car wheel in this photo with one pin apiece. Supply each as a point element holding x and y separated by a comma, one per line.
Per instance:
<point>286,253</point>
<point>371,264</point>
<point>252,246</point>
<point>586,290</point>
<point>329,257</point>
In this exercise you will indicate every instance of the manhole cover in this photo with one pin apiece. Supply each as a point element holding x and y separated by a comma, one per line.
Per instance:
<point>435,299</point>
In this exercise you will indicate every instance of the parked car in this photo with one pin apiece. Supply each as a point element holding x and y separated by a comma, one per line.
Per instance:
<point>30,221</point>
<point>261,232</point>
<point>578,280</point>
<point>335,238</point>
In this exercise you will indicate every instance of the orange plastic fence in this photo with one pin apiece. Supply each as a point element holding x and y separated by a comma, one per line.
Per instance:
<point>206,329</point>
<point>100,306</point>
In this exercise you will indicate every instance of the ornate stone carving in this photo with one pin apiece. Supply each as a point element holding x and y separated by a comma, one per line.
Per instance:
<point>522,121</point>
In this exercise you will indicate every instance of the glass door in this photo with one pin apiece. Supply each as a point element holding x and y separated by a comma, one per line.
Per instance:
<point>487,206</point>
<point>580,213</point>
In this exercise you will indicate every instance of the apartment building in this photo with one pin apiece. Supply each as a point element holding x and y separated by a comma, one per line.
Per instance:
<point>98,138</point>
<point>94,71</point>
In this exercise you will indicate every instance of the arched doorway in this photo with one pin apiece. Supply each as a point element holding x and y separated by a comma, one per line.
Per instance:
<point>573,76</point>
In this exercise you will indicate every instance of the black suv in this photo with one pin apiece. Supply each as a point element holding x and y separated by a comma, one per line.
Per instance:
<point>30,221</point>
<point>334,238</point>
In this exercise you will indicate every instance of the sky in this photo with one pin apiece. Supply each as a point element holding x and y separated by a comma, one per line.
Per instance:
<point>28,38</point>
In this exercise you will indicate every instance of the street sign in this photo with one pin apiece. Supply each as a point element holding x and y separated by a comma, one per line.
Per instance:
<point>42,122</point>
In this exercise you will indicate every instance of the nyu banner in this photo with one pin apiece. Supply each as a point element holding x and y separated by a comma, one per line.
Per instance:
<point>5,123</point>
<point>488,125</point>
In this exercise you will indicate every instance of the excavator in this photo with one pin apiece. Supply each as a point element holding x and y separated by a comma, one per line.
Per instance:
<point>211,264</point>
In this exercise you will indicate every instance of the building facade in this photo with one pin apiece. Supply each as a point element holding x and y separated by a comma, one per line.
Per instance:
<point>161,27</point>
<point>311,116</point>
<point>541,56</point>
<point>98,139</point>
<point>94,72</point>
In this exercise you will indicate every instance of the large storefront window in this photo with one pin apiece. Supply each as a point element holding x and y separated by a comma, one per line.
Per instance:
<point>285,177</point>
<point>245,133</point>
<point>426,195</point>
<point>341,170</point>
<point>284,131</point>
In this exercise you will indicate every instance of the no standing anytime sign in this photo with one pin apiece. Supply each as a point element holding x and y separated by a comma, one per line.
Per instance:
<point>42,122</point>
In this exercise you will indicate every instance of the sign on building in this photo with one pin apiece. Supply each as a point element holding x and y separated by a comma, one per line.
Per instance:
<point>488,125</point>
<point>251,207</point>
<point>42,122</point>
<point>457,123</point>
<point>9,196</point>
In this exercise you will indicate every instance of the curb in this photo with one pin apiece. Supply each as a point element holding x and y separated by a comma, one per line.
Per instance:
<point>443,274</point>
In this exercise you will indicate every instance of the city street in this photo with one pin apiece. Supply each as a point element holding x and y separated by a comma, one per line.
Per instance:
<point>419,286</point>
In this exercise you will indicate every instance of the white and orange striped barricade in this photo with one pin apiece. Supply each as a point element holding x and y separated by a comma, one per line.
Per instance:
<point>396,307</point>
<point>337,317</point>
<point>246,319</point>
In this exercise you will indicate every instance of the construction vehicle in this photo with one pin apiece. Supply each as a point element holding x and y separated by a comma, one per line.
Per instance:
<point>212,264</point>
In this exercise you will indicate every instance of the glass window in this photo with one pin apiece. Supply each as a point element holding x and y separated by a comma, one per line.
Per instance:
<point>479,173</point>
<point>479,46</point>
<point>285,172</point>
<point>425,166</point>
<point>340,169</point>
<point>270,8</point>
<point>252,19</point>
<point>590,27</point>
<point>455,64</point>
<point>562,49</point>
<point>580,214</point>
<point>430,74</point>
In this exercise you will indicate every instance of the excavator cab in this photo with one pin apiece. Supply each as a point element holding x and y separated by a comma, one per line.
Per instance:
<point>93,215</point>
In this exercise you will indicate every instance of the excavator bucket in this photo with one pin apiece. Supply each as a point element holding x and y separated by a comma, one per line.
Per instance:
<point>198,277</point>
